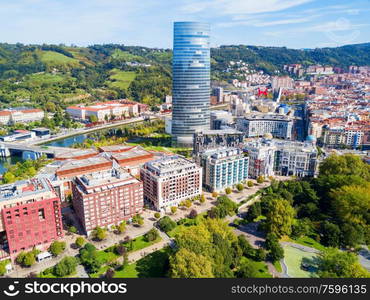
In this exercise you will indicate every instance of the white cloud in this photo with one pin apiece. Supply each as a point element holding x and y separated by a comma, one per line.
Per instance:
<point>230,7</point>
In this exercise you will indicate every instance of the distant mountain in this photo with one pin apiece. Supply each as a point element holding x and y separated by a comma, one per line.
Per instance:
<point>37,74</point>
<point>270,59</point>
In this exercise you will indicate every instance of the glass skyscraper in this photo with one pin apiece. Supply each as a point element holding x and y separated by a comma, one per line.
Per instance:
<point>191,81</point>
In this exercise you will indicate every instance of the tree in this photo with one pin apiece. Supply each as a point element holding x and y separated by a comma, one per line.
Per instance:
<point>121,228</point>
<point>276,252</point>
<point>247,270</point>
<point>72,229</point>
<point>50,106</point>
<point>228,191</point>
<point>270,240</point>
<point>166,224</point>
<point>259,254</point>
<point>67,266</point>
<point>152,235</point>
<point>193,214</point>
<point>187,264</point>
<point>202,199</point>
<point>214,194</point>
<point>250,183</point>
<point>80,241</point>
<point>260,179</point>
<point>137,219</point>
<point>280,217</point>
<point>245,246</point>
<point>173,209</point>
<point>239,187</point>
<point>99,233</point>
<point>330,233</point>
<point>334,263</point>
<point>347,164</point>
<point>157,215</point>
<point>93,119</point>
<point>29,259</point>
<point>254,211</point>
<point>57,247</point>
<point>352,234</point>
<point>187,203</point>
<point>351,203</point>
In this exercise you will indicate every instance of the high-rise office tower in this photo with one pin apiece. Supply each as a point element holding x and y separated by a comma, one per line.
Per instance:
<point>191,81</point>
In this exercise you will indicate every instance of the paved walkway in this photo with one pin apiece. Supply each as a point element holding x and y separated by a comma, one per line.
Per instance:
<point>133,231</point>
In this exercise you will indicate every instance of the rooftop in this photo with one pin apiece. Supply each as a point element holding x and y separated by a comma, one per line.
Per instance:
<point>24,188</point>
<point>169,164</point>
<point>91,161</point>
<point>100,181</point>
<point>74,154</point>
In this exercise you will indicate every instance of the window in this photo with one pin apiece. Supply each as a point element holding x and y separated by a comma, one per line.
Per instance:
<point>41,214</point>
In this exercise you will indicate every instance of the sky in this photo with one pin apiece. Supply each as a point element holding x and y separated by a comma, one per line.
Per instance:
<point>289,23</point>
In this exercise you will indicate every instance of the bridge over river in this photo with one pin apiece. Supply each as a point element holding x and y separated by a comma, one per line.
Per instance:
<point>30,151</point>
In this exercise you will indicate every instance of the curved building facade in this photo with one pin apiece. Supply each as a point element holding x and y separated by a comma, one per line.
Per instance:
<point>191,81</point>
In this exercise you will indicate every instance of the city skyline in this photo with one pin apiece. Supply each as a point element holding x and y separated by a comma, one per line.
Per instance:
<point>265,23</point>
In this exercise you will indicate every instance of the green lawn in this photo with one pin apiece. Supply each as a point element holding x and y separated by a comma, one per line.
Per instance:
<point>128,272</point>
<point>121,79</point>
<point>140,243</point>
<point>153,265</point>
<point>107,256</point>
<point>125,56</point>
<point>293,259</point>
<point>277,266</point>
<point>309,242</point>
<point>55,59</point>
<point>261,268</point>
<point>44,78</point>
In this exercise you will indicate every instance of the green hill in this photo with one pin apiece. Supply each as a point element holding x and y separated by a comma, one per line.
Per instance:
<point>36,74</point>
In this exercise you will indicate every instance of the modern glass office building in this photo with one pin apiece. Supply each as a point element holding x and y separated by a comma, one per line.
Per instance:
<point>191,81</point>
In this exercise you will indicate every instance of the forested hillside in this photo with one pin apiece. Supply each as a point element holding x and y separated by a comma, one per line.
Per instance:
<point>52,77</point>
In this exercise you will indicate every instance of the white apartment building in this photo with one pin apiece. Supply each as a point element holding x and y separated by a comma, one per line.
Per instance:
<point>261,158</point>
<point>11,116</point>
<point>285,158</point>
<point>257,125</point>
<point>104,110</point>
<point>223,167</point>
<point>170,180</point>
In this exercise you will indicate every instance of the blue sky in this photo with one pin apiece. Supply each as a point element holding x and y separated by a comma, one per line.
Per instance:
<point>290,23</point>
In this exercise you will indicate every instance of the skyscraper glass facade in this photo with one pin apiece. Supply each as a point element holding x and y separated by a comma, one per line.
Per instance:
<point>191,81</point>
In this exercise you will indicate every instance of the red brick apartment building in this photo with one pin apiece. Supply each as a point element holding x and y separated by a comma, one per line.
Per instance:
<point>30,215</point>
<point>106,198</point>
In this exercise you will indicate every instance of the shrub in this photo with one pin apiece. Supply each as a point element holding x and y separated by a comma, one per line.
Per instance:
<point>72,229</point>
<point>120,249</point>
<point>173,209</point>
<point>99,233</point>
<point>260,179</point>
<point>228,191</point>
<point>193,214</point>
<point>214,194</point>
<point>250,183</point>
<point>80,241</point>
<point>151,235</point>
<point>157,215</point>
<point>166,224</point>
<point>239,187</point>
<point>57,247</point>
